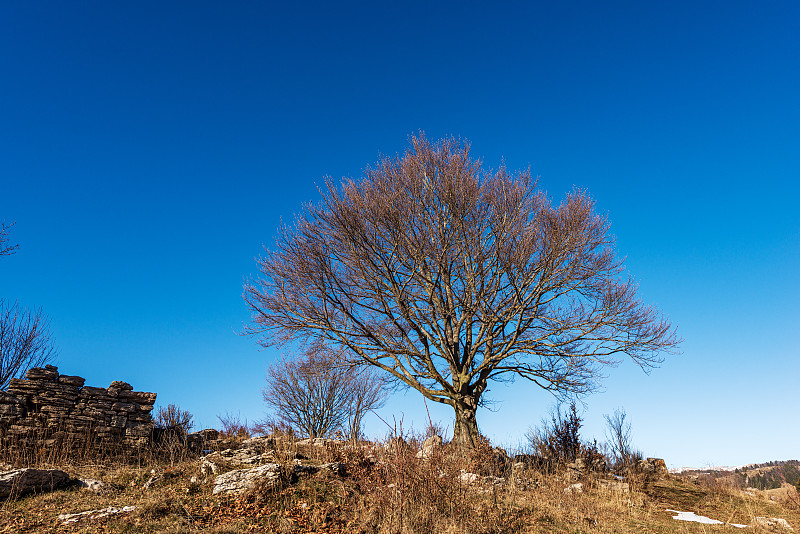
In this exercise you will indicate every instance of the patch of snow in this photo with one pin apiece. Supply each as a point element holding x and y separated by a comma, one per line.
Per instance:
<point>693,517</point>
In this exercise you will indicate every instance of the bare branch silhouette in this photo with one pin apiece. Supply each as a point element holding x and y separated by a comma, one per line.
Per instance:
<point>447,276</point>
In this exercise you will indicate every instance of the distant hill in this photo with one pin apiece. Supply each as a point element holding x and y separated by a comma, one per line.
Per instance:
<point>766,476</point>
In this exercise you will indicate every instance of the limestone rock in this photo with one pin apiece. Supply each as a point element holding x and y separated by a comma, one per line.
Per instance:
<point>241,480</point>
<point>22,481</point>
<point>94,514</point>
<point>574,488</point>
<point>76,381</point>
<point>616,486</point>
<point>653,467</point>
<point>468,478</point>
<point>773,522</point>
<point>96,486</point>
<point>52,410</point>
<point>120,385</point>
<point>47,373</point>
<point>429,446</point>
<point>314,442</point>
<point>334,467</point>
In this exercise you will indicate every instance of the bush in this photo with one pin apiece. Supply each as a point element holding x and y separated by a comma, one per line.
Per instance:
<point>173,418</point>
<point>557,442</point>
<point>234,427</point>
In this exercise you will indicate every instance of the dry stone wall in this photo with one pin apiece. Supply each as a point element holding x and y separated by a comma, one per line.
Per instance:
<point>45,409</point>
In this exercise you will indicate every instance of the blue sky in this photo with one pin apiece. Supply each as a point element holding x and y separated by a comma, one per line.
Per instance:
<point>149,150</point>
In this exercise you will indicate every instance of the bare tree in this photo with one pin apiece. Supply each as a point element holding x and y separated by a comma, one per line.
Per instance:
<point>317,396</point>
<point>448,276</point>
<point>367,392</point>
<point>25,339</point>
<point>6,248</point>
<point>618,438</point>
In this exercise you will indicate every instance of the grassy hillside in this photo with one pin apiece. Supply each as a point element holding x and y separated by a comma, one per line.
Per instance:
<point>384,488</point>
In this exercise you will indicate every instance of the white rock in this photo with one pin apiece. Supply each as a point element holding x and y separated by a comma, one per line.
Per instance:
<point>429,446</point>
<point>574,488</point>
<point>468,478</point>
<point>241,480</point>
<point>95,514</point>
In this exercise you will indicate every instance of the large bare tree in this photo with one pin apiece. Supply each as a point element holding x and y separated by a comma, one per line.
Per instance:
<point>25,339</point>
<point>448,276</point>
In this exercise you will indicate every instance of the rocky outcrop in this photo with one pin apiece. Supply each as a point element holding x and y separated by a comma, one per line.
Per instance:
<point>241,480</point>
<point>46,409</point>
<point>653,467</point>
<point>23,481</point>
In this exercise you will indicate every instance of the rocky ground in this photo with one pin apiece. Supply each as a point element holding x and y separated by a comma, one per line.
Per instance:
<point>277,484</point>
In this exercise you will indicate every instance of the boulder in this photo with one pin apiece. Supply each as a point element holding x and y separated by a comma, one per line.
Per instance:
<point>49,372</point>
<point>428,447</point>
<point>616,486</point>
<point>772,522</point>
<point>659,467</point>
<point>468,478</point>
<point>96,486</point>
<point>653,467</point>
<point>241,480</point>
<point>22,481</point>
<point>576,469</point>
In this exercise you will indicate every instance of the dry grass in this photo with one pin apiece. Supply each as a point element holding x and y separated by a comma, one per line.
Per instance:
<point>385,490</point>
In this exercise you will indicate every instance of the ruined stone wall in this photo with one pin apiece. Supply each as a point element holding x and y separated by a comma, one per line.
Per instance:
<point>46,409</point>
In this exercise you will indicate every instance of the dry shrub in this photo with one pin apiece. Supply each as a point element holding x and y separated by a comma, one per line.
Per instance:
<point>233,426</point>
<point>399,492</point>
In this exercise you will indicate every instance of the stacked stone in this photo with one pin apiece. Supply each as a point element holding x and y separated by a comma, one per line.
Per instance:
<point>47,408</point>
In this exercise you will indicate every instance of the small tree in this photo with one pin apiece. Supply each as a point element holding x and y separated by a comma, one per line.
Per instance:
<point>25,339</point>
<point>618,438</point>
<point>316,396</point>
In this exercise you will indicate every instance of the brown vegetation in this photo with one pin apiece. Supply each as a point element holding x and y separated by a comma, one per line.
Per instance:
<point>383,488</point>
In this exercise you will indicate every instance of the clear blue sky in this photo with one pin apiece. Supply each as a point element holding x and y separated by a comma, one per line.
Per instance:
<point>149,149</point>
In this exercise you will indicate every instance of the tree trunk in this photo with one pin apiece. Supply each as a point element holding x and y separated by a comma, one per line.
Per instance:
<point>465,432</point>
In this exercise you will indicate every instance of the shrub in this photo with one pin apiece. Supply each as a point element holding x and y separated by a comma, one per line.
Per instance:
<point>172,417</point>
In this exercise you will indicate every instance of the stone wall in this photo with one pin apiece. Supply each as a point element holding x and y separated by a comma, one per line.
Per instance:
<point>48,409</point>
